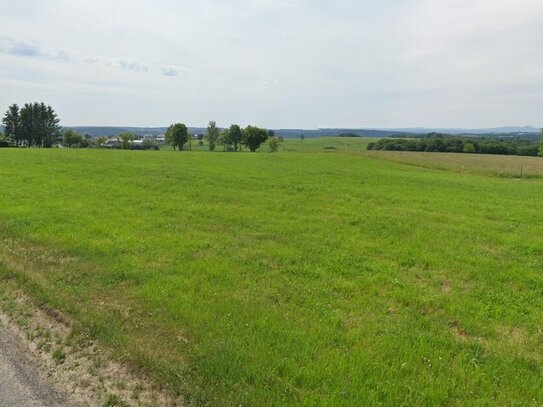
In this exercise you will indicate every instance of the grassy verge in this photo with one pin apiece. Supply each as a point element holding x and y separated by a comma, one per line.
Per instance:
<point>287,278</point>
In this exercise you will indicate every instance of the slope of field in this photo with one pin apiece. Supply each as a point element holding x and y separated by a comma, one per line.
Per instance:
<point>289,278</point>
<point>485,164</point>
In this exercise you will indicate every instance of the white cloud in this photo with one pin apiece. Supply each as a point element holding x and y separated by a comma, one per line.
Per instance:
<point>92,59</point>
<point>172,70</point>
<point>29,49</point>
<point>132,65</point>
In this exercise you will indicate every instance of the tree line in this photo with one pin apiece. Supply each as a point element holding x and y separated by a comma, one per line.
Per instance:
<point>37,125</point>
<point>231,139</point>
<point>457,144</point>
<point>34,124</point>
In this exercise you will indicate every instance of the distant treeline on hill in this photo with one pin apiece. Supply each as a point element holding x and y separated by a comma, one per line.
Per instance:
<point>454,144</point>
<point>285,133</point>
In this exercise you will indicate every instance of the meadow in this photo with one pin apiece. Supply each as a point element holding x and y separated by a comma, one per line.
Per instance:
<point>484,164</point>
<point>312,276</point>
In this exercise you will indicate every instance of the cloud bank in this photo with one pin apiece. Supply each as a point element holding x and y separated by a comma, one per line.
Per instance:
<point>283,63</point>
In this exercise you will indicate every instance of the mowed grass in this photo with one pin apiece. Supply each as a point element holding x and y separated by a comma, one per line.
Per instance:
<point>313,278</point>
<point>486,164</point>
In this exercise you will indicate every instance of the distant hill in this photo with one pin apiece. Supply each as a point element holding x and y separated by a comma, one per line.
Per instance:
<point>456,131</point>
<point>288,133</point>
<point>115,131</point>
<point>296,133</point>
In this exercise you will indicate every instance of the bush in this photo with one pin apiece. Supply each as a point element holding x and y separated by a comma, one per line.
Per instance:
<point>469,148</point>
<point>146,145</point>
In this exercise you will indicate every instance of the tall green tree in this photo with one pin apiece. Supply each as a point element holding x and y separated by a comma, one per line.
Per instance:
<point>224,139</point>
<point>177,135</point>
<point>35,124</point>
<point>541,145</point>
<point>212,135</point>
<point>253,137</point>
<point>236,136</point>
<point>126,138</point>
<point>11,123</point>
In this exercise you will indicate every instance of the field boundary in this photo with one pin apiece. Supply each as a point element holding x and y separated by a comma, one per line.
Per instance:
<point>498,166</point>
<point>70,360</point>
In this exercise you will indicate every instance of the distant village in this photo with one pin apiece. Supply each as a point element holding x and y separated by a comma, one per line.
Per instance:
<point>115,141</point>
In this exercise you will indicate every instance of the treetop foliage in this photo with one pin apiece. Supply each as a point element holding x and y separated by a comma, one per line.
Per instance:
<point>253,137</point>
<point>232,138</point>
<point>177,135</point>
<point>455,144</point>
<point>212,135</point>
<point>35,124</point>
<point>71,138</point>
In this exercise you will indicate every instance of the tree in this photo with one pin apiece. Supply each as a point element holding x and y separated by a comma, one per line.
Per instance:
<point>274,144</point>
<point>71,138</point>
<point>541,145</point>
<point>126,138</point>
<point>253,137</point>
<point>100,141</point>
<point>212,135</point>
<point>26,125</point>
<point>85,142</point>
<point>177,135</point>
<point>34,124</point>
<point>51,129</point>
<point>225,139</point>
<point>4,141</point>
<point>469,148</point>
<point>11,122</point>
<point>236,136</point>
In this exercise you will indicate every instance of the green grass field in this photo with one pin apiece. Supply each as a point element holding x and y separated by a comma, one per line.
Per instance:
<point>311,276</point>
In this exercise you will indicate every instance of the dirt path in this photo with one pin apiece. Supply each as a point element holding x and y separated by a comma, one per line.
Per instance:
<point>21,383</point>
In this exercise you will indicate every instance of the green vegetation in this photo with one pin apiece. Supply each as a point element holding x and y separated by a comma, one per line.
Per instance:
<point>340,279</point>
<point>454,144</point>
<point>253,137</point>
<point>35,124</point>
<point>177,135</point>
<point>232,139</point>
<point>274,144</point>
<point>59,356</point>
<point>212,135</point>
<point>71,138</point>
<point>126,139</point>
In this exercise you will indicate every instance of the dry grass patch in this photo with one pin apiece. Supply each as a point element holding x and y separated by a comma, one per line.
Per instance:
<point>497,165</point>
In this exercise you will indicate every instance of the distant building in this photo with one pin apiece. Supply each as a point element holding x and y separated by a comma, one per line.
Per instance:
<point>112,143</point>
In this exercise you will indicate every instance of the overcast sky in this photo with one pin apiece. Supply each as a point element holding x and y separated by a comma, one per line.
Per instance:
<point>276,63</point>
